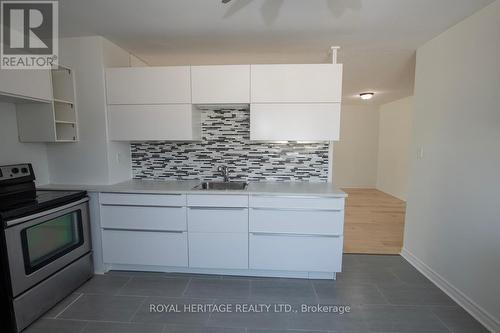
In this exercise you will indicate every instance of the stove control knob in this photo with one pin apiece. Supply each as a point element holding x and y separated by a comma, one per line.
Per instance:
<point>15,170</point>
<point>24,170</point>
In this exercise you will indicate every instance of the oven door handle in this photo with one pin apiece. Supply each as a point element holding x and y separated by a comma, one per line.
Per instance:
<point>45,212</point>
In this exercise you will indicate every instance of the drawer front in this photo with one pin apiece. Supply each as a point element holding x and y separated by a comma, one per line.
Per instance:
<point>305,202</point>
<point>296,221</point>
<point>218,250</point>
<point>215,219</point>
<point>295,253</point>
<point>149,248</point>
<point>217,200</point>
<point>176,200</point>
<point>144,218</point>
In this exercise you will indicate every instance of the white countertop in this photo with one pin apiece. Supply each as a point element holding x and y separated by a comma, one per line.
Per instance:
<point>186,186</point>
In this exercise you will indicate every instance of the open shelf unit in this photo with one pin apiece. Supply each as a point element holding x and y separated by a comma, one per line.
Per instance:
<point>65,117</point>
<point>56,121</point>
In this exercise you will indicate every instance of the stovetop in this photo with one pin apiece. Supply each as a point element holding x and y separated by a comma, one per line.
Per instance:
<point>45,199</point>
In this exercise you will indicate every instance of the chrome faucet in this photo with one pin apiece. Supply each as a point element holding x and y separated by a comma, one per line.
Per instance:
<point>224,172</point>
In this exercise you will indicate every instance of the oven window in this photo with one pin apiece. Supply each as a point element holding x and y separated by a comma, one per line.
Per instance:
<point>51,239</point>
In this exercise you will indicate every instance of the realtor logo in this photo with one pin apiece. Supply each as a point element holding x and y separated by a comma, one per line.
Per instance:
<point>29,34</point>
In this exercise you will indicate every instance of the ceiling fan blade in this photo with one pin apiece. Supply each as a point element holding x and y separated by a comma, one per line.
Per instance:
<point>270,10</point>
<point>339,7</point>
<point>235,6</point>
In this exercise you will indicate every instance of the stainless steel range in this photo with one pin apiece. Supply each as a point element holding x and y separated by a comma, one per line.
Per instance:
<point>45,246</point>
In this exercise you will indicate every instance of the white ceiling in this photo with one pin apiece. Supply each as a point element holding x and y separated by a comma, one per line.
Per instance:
<point>378,37</point>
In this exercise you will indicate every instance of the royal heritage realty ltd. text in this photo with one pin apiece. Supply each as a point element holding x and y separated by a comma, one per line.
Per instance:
<point>248,308</point>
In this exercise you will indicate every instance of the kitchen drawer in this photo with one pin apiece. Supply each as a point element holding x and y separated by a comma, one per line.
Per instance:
<point>296,221</point>
<point>305,202</point>
<point>145,248</point>
<point>177,200</point>
<point>217,219</point>
<point>217,200</point>
<point>218,250</point>
<point>144,218</point>
<point>295,253</point>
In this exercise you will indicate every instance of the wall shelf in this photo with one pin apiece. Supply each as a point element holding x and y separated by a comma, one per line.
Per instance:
<point>55,121</point>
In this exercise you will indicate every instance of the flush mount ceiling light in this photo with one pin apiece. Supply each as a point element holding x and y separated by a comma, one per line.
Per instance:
<point>366,95</point>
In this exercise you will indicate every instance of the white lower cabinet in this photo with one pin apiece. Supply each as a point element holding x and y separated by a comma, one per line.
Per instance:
<point>131,247</point>
<point>218,250</point>
<point>218,231</point>
<point>295,252</point>
<point>296,233</point>
<point>266,235</point>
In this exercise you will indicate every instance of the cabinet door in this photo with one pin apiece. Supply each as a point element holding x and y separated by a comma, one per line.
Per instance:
<point>317,83</point>
<point>295,122</point>
<point>218,237</point>
<point>218,250</point>
<point>153,122</point>
<point>30,84</point>
<point>148,85</point>
<point>295,253</point>
<point>220,84</point>
<point>145,248</point>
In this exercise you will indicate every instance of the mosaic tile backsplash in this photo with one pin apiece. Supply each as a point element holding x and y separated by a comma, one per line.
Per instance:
<point>226,141</point>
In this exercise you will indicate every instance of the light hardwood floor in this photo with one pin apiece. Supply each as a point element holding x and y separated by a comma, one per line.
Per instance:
<point>374,222</point>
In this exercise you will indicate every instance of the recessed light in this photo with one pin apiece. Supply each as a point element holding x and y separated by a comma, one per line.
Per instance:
<point>366,95</point>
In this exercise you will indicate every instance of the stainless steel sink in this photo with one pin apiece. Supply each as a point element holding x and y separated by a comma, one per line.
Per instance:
<point>221,186</point>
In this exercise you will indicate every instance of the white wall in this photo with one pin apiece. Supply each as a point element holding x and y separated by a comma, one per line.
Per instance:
<point>119,155</point>
<point>395,133</point>
<point>93,160</point>
<point>355,155</point>
<point>12,151</point>
<point>453,215</point>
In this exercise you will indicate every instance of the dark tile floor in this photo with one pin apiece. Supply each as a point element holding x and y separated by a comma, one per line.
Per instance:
<point>385,294</point>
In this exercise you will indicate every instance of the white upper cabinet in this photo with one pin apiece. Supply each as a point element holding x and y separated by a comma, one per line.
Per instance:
<point>220,84</point>
<point>149,85</point>
<point>30,84</point>
<point>177,122</point>
<point>316,83</point>
<point>39,120</point>
<point>301,122</point>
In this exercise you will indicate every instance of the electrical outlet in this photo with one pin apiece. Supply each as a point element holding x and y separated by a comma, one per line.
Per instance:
<point>420,153</point>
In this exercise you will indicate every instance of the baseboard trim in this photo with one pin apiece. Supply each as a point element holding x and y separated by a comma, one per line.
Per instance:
<point>481,315</point>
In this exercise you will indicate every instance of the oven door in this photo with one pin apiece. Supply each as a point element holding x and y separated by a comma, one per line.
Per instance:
<point>42,244</point>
